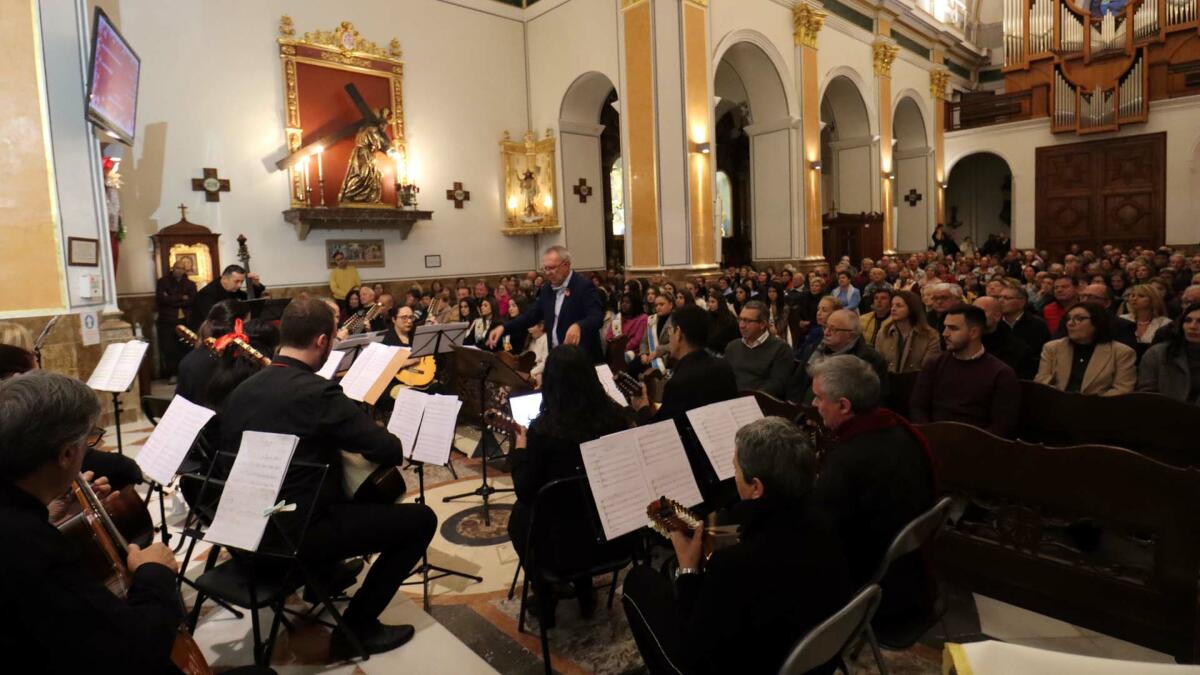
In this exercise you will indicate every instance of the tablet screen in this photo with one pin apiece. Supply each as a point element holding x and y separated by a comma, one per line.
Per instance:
<point>526,407</point>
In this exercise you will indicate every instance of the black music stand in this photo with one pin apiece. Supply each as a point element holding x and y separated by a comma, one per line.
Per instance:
<point>353,346</point>
<point>425,568</point>
<point>477,364</point>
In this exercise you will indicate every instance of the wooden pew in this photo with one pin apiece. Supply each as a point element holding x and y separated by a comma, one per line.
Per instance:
<point>1099,536</point>
<point>1151,424</point>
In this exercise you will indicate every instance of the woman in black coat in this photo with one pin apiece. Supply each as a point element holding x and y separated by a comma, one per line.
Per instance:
<point>575,409</point>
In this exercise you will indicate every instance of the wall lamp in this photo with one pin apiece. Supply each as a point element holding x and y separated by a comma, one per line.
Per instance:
<point>891,175</point>
<point>704,148</point>
<point>815,166</point>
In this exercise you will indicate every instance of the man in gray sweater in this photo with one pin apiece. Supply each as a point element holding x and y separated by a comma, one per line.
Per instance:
<point>760,361</point>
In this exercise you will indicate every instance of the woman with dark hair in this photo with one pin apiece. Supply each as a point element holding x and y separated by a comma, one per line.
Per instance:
<point>478,331</point>
<point>724,327</point>
<point>683,298</point>
<point>575,409</point>
<point>198,365</point>
<point>233,365</point>
<point>740,297</point>
<point>906,340</point>
<point>466,310</point>
<point>15,360</point>
<point>630,321</point>
<point>350,306</point>
<point>1172,367</point>
<point>1088,361</point>
<point>777,312</point>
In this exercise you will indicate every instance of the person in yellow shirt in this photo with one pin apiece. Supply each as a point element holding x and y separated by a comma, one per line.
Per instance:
<point>343,278</point>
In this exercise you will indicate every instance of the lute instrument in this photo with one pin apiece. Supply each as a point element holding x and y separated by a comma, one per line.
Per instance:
<point>106,547</point>
<point>666,515</point>
<point>356,323</point>
<point>188,337</point>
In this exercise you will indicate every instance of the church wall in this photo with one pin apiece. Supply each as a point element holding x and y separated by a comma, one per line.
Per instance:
<point>212,95</point>
<point>767,17</point>
<point>564,43</point>
<point>1017,144</point>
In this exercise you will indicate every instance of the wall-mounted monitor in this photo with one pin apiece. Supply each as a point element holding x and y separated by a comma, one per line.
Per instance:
<point>113,73</point>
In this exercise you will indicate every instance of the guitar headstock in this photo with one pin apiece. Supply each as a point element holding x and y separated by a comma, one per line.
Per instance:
<point>496,420</point>
<point>667,516</point>
<point>186,335</point>
<point>244,349</point>
<point>629,385</point>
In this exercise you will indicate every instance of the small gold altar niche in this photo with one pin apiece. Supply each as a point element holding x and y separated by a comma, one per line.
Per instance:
<point>529,185</point>
<point>344,125</point>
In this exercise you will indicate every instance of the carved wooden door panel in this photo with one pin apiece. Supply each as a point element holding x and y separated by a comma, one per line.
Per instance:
<point>1102,192</point>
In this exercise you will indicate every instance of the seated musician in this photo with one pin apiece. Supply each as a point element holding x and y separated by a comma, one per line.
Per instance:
<point>197,366</point>
<point>403,322</point>
<point>62,617</point>
<point>876,477</point>
<point>367,299</point>
<point>743,609</point>
<point>575,409</point>
<point>699,378</point>
<point>290,398</point>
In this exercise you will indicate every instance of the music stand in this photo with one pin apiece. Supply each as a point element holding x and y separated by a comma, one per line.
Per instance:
<point>478,364</point>
<point>354,345</point>
<point>425,568</point>
<point>41,339</point>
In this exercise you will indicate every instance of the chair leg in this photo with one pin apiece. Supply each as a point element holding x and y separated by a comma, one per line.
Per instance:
<point>545,646</point>
<point>875,649</point>
<point>512,589</point>
<point>269,647</point>
<point>524,598</point>
<point>256,629</point>
<point>612,589</point>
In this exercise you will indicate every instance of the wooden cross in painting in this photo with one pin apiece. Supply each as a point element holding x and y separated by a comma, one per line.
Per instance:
<point>913,197</point>
<point>368,116</point>
<point>458,195</point>
<point>583,190</point>
<point>210,185</point>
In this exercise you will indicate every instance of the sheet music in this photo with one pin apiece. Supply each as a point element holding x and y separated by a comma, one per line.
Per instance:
<point>118,366</point>
<point>437,430</point>
<point>367,369</point>
<point>332,363</point>
<point>610,384</point>
<point>171,439</point>
<point>717,424</point>
<point>406,417</point>
<point>251,489</point>
<point>629,469</point>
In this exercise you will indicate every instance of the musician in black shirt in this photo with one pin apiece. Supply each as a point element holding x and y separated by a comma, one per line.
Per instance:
<point>227,287</point>
<point>290,398</point>
<point>61,616</point>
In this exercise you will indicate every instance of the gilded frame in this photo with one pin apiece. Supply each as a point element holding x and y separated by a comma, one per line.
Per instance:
<point>343,49</point>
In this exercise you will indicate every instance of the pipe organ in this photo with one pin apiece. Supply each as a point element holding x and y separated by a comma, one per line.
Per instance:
<point>1098,66</point>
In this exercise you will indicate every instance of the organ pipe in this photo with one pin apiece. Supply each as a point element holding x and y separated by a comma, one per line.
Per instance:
<point>1145,20</point>
<point>1070,32</point>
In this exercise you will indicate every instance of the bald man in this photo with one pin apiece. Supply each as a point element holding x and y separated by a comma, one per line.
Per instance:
<point>1000,341</point>
<point>843,335</point>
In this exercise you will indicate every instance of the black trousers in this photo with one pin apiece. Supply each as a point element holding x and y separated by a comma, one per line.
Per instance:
<point>169,347</point>
<point>399,533</point>
<point>649,600</point>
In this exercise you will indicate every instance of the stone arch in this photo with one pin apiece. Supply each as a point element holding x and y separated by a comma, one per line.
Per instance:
<point>913,164</point>
<point>582,144</point>
<point>976,202</point>
<point>849,154</point>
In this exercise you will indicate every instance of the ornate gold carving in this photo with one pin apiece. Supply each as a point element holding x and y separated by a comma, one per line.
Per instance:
<point>806,23</point>
<point>343,40</point>
<point>286,27</point>
<point>292,92</point>
<point>939,80</point>
<point>529,185</point>
<point>883,53</point>
<point>346,60</point>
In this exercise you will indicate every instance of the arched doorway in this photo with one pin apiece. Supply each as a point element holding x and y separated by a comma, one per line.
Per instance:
<point>979,198</point>
<point>914,194</point>
<point>754,137</point>
<point>849,174</point>
<point>590,148</point>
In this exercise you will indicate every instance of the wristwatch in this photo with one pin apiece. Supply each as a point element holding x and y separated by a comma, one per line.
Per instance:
<point>680,571</point>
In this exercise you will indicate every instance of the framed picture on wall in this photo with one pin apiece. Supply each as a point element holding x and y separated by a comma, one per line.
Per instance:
<point>358,252</point>
<point>83,251</point>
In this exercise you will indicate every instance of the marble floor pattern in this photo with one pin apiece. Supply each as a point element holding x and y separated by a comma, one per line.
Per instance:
<point>471,627</point>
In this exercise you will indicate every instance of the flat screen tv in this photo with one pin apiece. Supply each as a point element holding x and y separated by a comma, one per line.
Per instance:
<point>113,73</point>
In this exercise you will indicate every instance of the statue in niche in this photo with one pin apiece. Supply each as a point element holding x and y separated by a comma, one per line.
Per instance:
<point>364,183</point>
<point>529,188</point>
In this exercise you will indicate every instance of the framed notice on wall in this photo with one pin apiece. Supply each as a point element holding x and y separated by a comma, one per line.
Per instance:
<point>83,252</point>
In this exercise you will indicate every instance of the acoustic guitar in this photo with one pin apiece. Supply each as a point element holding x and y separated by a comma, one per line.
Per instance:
<point>366,482</point>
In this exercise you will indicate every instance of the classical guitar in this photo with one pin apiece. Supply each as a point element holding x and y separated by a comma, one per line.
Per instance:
<point>369,483</point>
<point>94,529</point>
<point>667,515</point>
<point>418,375</point>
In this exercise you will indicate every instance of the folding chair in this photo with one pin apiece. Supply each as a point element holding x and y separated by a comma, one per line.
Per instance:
<point>832,639</point>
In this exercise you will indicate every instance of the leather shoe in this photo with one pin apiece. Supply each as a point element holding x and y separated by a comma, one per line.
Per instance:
<point>375,637</point>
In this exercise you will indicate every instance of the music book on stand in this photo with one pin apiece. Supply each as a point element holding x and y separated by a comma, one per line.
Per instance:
<point>425,425</point>
<point>171,439</point>
<point>717,424</point>
<point>425,338</point>
<point>629,469</point>
<point>118,366</point>
<point>330,368</point>
<point>248,499</point>
<point>372,372</point>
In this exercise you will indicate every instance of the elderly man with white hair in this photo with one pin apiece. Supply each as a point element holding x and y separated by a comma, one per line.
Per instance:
<point>843,335</point>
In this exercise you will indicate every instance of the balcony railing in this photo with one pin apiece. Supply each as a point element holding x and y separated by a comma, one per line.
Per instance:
<point>985,108</point>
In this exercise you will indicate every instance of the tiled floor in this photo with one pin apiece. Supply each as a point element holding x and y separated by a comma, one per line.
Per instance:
<point>472,626</point>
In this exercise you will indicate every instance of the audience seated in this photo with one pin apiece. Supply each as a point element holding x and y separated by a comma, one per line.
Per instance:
<point>575,409</point>
<point>698,378</point>
<point>999,341</point>
<point>1026,325</point>
<point>1088,361</point>
<point>876,476</point>
<point>842,336</point>
<point>743,609</point>
<point>1065,293</point>
<point>630,322</point>
<point>724,325</point>
<point>652,351</point>
<point>1172,367</point>
<point>1123,329</point>
<point>1146,312</point>
<point>966,384</point>
<point>881,309</point>
<point>906,339</point>
<point>760,361</point>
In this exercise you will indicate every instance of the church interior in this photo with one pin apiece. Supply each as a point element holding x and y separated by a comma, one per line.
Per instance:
<point>482,194</point>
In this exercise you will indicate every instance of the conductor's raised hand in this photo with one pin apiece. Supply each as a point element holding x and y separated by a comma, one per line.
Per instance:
<point>494,336</point>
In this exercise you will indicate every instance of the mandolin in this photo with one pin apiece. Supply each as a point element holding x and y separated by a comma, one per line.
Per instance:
<point>667,515</point>
<point>496,420</point>
<point>106,547</point>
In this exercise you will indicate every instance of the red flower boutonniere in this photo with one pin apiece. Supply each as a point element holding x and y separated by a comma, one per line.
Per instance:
<point>567,293</point>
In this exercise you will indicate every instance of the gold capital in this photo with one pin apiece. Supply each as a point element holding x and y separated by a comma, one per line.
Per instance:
<point>807,21</point>
<point>939,79</point>
<point>883,54</point>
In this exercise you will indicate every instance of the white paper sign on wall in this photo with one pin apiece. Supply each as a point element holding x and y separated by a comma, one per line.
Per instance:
<point>89,328</point>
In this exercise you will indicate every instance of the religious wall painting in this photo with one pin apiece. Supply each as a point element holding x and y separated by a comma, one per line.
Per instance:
<point>344,109</point>
<point>724,206</point>
<point>194,245</point>
<point>196,261</point>
<point>529,185</point>
<point>358,252</point>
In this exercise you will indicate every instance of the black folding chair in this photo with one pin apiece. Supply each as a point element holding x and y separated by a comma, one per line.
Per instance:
<point>267,577</point>
<point>831,640</point>
<point>537,539</point>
